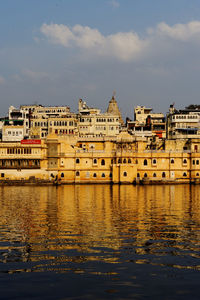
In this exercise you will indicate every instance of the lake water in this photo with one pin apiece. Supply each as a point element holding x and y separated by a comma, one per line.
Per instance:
<point>100,242</point>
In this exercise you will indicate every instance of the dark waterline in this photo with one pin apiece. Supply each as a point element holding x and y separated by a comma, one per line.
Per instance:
<point>100,242</point>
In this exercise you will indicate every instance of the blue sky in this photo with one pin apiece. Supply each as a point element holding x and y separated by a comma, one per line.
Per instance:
<point>57,51</point>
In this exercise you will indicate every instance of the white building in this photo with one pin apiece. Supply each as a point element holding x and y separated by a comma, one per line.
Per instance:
<point>183,124</point>
<point>12,133</point>
<point>92,122</point>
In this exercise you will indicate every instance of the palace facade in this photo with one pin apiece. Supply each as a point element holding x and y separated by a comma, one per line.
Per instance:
<point>121,160</point>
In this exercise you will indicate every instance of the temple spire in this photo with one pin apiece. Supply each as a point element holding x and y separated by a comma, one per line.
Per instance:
<point>114,109</point>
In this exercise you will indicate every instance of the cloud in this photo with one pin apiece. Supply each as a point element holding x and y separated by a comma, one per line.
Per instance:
<point>179,32</point>
<point>125,46</point>
<point>120,45</point>
<point>2,80</point>
<point>114,3</point>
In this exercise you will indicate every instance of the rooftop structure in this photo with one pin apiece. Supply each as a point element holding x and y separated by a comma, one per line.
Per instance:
<point>184,123</point>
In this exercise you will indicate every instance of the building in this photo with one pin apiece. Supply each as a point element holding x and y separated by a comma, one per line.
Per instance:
<point>113,109</point>
<point>146,123</point>
<point>93,123</point>
<point>13,133</point>
<point>123,159</point>
<point>39,111</point>
<point>183,124</point>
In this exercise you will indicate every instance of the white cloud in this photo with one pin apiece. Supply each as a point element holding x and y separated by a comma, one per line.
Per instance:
<point>125,46</point>
<point>57,34</point>
<point>114,3</point>
<point>182,32</point>
<point>2,80</point>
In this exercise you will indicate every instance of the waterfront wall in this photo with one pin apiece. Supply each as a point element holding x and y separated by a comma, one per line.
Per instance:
<point>65,161</point>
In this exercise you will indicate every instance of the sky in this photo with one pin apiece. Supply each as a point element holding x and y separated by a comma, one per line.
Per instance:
<point>53,52</point>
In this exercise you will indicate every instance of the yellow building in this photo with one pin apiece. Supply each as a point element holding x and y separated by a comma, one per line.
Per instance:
<point>122,159</point>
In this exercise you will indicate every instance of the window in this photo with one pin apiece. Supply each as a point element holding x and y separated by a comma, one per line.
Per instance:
<point>138,175</point>
<point>145,162</point>
<point>110,175</point>
<point>154,174</point>
<point>2,175</point>
<point>185,161</point>
<point>184,174</point>
<point>77,173</point>
<point>77,161</point>
<point>197,162</point>
<point>197,174</point>
<point>163,175</point>
<point>103,162</point>
<point>125,174</point>
<point>172,161</point>
<point>94,161</point>
<point>95,175</point>
<point>145,175</point>
<point>103,175</point>
<point>124,161</point>
<point>62,175</point>
<point>154,161</point>
<point>193,162</point>
<point>119,161</point>
<point>129,161</point>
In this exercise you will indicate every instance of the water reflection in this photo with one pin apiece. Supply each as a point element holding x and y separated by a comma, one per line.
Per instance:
<point>76,228</point>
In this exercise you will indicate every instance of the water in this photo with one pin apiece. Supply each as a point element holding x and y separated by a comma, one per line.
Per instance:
<point>100,242</point>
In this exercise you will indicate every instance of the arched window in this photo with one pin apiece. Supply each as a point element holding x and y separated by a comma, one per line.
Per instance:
<point>62,175</point>
<point>125,174</point>
<point>145,175</point>
<point>138,175</point>
<point>185,161</point>
<point>94,175</point>
<point>77,173</point>
<point>129,161</point>
<point>103,175</point>
<point>154,161</point>
<point>119,161</point>
<point>77,161</point>
<point>197,174</point>
<point>184,174</point>
<point>145,162</point>
<point>172,161</point>
<point>110,175</point>
<point>124,161</point>
<point>103,162</point>
<point>163,175</point>
<point>95,161</point>
<point>154,174</point>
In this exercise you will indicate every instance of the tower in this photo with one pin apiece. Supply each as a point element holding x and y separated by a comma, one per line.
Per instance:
<point>113,108</point>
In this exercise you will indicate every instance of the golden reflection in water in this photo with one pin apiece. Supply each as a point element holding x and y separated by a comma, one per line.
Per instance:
<point>48,221</point>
